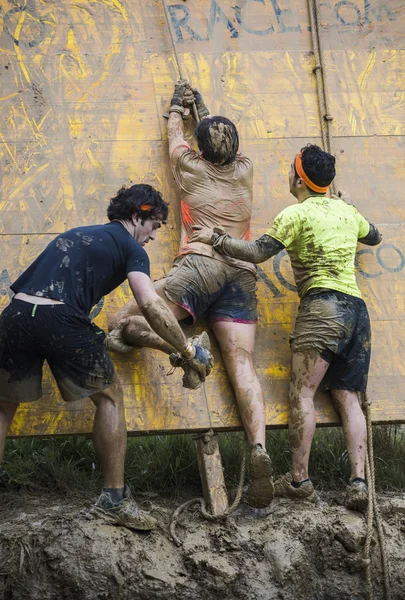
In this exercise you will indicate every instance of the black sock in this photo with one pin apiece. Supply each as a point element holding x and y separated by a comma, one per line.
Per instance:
<point>358,479</point>
<point>297,484</point>
<point>116,494</point>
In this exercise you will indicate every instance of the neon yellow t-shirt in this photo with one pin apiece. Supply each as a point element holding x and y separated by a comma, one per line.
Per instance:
<point>320,236</point>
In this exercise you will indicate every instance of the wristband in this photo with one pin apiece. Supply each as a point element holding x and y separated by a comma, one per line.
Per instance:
<point>176,108</point>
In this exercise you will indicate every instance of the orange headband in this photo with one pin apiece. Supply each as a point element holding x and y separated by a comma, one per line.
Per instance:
<point>301,173</point>
<point>146,206</point>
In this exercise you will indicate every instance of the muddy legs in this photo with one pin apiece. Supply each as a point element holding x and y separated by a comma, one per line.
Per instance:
<point>306,374</point>
<point>354,428</point>
<point>307,371</point>
<point>236,341</point>
<point>138,332</point>
<point>110,434</point>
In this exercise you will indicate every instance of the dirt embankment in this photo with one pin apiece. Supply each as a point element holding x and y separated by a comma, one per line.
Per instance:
<point>50,550</point>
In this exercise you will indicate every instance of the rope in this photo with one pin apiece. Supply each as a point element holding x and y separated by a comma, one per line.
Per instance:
<point>203,508</point>
<point>176,55</point>
<point>373,510</point>
<point>314,7</point>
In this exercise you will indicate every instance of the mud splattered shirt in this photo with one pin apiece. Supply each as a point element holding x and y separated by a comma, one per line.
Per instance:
<point>320,236</point>
<point>84,264</point>
<point>213,196</point>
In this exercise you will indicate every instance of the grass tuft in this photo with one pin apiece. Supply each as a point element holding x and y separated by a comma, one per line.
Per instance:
<point>167,465</point>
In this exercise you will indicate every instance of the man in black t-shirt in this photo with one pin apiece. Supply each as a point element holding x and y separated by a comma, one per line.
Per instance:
<point>48,319</point>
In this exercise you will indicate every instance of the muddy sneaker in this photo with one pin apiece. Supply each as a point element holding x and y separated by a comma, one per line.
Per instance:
<point>283,488</point>
<point>125,512</point>
<point>261,489</point>
<point>191,378</point>
<point>356,495</point>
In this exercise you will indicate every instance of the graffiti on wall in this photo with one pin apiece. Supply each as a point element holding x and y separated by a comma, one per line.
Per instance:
<point>344,15</point>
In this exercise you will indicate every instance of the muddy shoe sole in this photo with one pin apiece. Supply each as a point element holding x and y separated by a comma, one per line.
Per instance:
<point>261,488</point>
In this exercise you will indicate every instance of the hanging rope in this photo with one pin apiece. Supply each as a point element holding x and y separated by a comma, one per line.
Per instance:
<point>176,55</point>
<point>203,508</point>
<point>321,82</point>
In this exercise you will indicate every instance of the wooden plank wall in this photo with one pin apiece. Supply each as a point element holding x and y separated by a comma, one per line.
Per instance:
<point>84,86</point>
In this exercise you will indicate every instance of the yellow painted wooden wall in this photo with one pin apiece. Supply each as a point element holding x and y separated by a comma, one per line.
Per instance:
<point>83,87</point>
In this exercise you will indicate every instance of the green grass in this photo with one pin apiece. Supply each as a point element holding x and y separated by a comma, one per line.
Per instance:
<point>167,465</point>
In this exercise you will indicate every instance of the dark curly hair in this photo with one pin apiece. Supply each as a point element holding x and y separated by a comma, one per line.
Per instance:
<point>318,165</point>
<point>128,201</point>
<point>218,140</point>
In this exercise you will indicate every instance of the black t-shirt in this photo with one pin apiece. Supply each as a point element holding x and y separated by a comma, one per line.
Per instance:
<point>84,264</point>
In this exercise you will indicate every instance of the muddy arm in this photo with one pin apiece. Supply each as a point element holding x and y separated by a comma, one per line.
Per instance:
<point>130,309</point>
<point>255,252</point>
<point>157,313</point>
<point>175,132</point>
<point>373,238</point>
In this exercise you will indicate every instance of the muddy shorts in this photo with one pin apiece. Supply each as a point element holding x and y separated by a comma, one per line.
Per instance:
<point>206,286</point>
<point>72,346</point>
<point>337,327</point>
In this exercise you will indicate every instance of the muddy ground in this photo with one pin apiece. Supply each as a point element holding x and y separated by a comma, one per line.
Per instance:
<point>51,549</point>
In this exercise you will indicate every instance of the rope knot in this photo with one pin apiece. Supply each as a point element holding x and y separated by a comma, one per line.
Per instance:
<point>328,117</point>
<point>316,68</point>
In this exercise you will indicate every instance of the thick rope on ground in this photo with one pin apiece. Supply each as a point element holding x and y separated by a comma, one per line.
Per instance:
<point>373,511</point>
<point>203,508</point>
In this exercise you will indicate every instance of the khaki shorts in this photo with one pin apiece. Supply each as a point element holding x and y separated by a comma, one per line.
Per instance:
<point>205,286</point>
<point>337,327</point>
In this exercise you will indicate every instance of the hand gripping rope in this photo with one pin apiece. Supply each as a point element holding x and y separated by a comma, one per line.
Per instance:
<point>176,55</point>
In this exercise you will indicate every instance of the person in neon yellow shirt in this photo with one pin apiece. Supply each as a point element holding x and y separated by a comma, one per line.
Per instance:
<point>331,337</point>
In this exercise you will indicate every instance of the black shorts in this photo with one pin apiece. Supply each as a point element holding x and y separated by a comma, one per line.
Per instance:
<point>205,286</point>
<point>337,327</point>
<point>72,346</point>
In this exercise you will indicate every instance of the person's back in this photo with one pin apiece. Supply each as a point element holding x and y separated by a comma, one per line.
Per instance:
<point>82,265</point>
<point>320,236</point>
<point>213,195</point>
